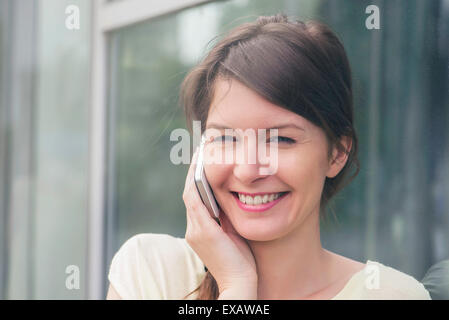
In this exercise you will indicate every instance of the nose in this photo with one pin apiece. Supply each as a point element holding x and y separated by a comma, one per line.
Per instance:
<point>247,173</point>
<point>247,166</point>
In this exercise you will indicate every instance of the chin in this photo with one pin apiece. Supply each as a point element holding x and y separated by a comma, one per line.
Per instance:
<point>260,230</point>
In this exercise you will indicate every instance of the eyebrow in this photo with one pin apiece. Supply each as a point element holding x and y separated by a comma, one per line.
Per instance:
<point>280,126</point>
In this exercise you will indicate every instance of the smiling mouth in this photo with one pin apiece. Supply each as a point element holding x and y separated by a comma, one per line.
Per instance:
<point>257,199</point>
<point>260,202</point>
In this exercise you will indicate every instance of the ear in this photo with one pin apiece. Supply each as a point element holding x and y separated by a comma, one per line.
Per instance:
<point>339,158</point>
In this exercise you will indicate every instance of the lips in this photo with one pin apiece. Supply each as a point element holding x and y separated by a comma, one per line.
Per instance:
<point>261,207</point>
<point>257,193</point>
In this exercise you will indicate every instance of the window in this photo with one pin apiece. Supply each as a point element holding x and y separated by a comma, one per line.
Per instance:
<point>44,90</point>
<point>86,116</point>
<point>380,213</point>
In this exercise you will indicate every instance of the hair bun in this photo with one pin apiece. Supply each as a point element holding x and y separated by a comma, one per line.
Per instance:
<point>280,17</point>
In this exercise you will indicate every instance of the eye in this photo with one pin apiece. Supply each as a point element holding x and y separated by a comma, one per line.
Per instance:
<point>283,139</point>
<point>224,138</point>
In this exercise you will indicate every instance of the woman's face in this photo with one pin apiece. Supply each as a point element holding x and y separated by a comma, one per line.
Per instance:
<point>302,165</point>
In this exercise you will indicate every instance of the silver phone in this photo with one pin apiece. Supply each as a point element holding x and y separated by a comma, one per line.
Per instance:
<point>202,184</point>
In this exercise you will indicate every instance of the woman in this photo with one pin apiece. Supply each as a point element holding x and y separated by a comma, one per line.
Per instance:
<point>272,73</point>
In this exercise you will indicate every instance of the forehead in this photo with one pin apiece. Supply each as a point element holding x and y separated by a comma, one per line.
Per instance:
<point>237,106</point>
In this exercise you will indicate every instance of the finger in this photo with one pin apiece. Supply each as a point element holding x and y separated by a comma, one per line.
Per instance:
<point>189,181</point>
<point>198,210</point>
<point>226,223</point>
<point>191,171</point>
<point>197,213</point>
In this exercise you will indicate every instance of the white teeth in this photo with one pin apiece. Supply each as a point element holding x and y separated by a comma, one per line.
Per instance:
<point>257,200</point>
<point>265,198</point>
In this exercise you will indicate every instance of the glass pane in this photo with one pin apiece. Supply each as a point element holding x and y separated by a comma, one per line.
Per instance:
<point>391,207</point>
<point>44,84</point>
<point>388,213</point>
<point>62,128</point>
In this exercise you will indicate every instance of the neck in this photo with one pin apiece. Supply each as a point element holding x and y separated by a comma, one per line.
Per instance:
<point>294,265</point>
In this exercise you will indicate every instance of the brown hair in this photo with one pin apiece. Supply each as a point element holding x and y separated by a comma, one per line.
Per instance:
<point>299,66</point>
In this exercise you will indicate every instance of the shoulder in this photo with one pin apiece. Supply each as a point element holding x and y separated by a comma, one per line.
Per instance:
<point>378,281</point>
<point>436,280</point>
<point>155,266</point>
<point>157,245</point>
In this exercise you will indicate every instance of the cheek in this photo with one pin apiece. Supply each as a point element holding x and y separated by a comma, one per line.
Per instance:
<point>303,170</point>
<point>217,174</point>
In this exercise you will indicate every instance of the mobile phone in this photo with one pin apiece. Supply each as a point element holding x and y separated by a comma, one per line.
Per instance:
<point>202,185</point>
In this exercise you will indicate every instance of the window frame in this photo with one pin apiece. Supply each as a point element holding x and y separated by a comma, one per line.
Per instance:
<point>19,21</point>
<point>106,17</point>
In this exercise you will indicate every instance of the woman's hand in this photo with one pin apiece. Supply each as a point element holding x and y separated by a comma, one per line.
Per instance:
<point>224,252</point>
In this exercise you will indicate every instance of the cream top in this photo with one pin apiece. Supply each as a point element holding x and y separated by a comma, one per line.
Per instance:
<point>160,266</point>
